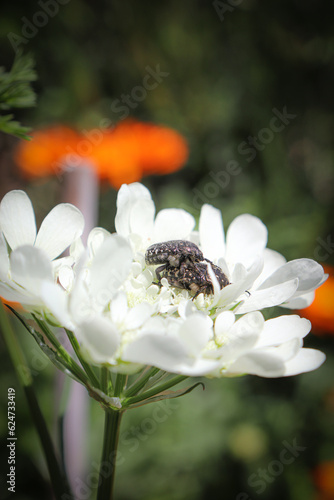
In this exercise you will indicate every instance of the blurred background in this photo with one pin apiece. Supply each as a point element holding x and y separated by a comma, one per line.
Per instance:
<point>249,85</point>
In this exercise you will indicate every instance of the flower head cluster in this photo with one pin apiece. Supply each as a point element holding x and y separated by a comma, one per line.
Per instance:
<point>122,318</point>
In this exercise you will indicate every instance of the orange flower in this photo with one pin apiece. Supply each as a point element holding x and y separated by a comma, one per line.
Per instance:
<point>123,154</point>
<point>324,479</point>
<point>44,154</point>
<point>134,149</point>
<point>321,311</point>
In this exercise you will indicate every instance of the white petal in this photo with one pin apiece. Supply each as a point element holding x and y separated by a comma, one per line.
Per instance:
<point>305,361</point>
<point>142,218</point>
<point>223,322</point>
<point>262,363</point>
<point>56,301</point>
<point>63,225</point>
<point>4,259</point>
<point>246,238</point>
<point>242,336</point>
<point>109,268</point>
<point>269,297</point>
<point>30,267</point>
<point>17,219</point>
<point>126,198</point>
<point>99,340</point>
<point>271,261</point>
<point>282,329</point>
<point>95,239</point>
<point>195,332</point>
<point>77,249</point>
<point>300,302</point>
<point>66,277</point>
<point>119,308</point>
<point>165,352</point>
<point>17,294</point>
<point>308,272</point>
<point>137,316</point>
<point>173,224</point>
<point>211,232</point>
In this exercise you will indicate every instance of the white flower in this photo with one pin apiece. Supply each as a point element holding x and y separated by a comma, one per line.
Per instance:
<point>27,257</point>
<point>259,277</point>
<point>264,273</point>
<point>108,297</point>
<point>272,348</point>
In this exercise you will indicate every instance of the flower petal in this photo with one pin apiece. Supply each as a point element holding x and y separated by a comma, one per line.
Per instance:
<point>17,219</point>
<point>271,261</point>
<point>99,340</point>
<point>109,268</point>
<point>63,225</point>
<point>127,198</point>
<point>282,329</point>
<point>211,230</point>
<point>56,300</point>
<point>95,239</point>
<point>269,297</point>
<point>173,224</point>
<point>263,363</point>
<point>242,336</point>
<point>4,259</point>
<point>137,316</point>
<point>308,272</point>
<point>300,302</point>
<point>246,238</point>
<point>30,267</point>
<point>305,361</point>
<point>163,351</point>
<point>195,332</point>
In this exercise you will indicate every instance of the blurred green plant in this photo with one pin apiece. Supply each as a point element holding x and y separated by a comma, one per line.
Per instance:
<point>16,92</point>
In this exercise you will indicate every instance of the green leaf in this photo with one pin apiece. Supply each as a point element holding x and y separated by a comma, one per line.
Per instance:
<point>16,92</point>
<point>164,395</point>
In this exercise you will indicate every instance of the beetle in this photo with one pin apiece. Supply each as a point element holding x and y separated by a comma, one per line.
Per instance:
<point>183,265</point>
<point>194,276</point>
<point>173,252</point>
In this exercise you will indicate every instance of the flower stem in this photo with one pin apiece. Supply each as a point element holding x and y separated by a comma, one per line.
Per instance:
<point>110,442</point>
<point>86,366</point>
<point>140,383</point>
<point>155,390</point>
<point>57,475</point>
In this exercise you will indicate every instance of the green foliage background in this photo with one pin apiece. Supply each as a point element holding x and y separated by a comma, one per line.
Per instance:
<point>225,78</point>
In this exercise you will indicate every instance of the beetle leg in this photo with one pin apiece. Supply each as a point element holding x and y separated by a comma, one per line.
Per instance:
<point>159,270</point>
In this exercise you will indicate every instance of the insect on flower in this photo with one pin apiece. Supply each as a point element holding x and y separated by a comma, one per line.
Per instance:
<point>184,266</point>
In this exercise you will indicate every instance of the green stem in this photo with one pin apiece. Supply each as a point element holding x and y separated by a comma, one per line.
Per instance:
<point>106,381</point>
<point>60,350</point>
<point>140,383</point>
<point>155,390</point>
<point>57,475</point>
<point>110,442</point>
<point>92,377</point>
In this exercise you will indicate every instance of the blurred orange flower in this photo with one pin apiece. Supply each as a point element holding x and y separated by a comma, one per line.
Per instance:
<point>123,154</point>
<point>323,476</point>
<point>45,153</point>
<point>321,311</point>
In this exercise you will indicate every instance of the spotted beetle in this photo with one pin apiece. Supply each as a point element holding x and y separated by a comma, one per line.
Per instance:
<point>183,265</point>
<point>194,276</point>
